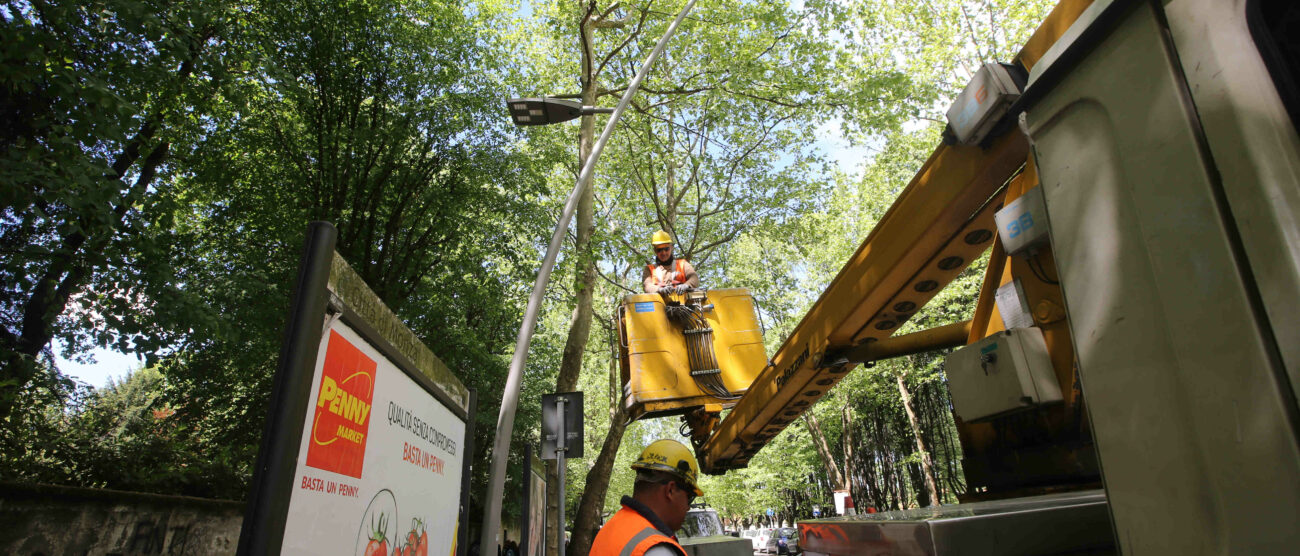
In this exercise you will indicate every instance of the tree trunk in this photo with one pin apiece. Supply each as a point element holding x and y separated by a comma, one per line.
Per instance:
<point>824,450</point>
<point>584,281</point>
<point>927,467</point>
<point>848,446</point>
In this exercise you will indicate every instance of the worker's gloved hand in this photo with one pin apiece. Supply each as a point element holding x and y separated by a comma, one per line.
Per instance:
<point>681,288</point>
<point>664,289</point>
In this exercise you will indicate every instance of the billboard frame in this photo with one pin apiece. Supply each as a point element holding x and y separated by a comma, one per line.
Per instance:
<point>313,308</point>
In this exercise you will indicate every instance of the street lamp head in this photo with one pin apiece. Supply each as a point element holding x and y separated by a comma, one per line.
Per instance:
<point>542,111</point>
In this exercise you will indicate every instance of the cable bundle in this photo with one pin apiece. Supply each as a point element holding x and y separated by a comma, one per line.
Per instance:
<point>699,347</point>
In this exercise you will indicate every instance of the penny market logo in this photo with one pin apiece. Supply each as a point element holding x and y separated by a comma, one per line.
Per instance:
<point>341,422</point>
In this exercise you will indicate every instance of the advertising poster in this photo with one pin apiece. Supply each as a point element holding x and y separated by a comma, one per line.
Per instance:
<point>379,467</point>
<point>536,545</point>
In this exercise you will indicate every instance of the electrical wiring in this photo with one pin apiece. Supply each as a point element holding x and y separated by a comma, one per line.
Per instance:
<point>701,359</point>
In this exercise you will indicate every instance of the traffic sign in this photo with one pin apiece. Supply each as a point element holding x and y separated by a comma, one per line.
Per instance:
<point>572,417</point>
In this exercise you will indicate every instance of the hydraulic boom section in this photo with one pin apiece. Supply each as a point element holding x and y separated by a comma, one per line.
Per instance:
<point>939,224</point>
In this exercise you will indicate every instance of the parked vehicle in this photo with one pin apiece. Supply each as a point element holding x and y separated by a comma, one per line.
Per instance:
<point>784,541</point>
<point>700,522</point>
<point>702,533</point>
<point>763,537</point>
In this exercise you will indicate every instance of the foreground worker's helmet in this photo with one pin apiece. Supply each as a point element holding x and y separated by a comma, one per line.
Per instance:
<point>660,238</point>
<point>671,457</point>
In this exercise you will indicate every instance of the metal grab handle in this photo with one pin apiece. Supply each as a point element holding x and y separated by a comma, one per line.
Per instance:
<point>622,333</point>
<point>758,312</point>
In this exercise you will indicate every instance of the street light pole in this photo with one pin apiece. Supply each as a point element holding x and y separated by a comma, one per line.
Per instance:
<point>510,397</point>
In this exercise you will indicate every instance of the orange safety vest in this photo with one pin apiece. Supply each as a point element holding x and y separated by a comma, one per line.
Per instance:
<point>677,276</point>
<point>629,533</point>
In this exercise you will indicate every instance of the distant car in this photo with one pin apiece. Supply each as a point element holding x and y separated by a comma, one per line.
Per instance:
<point>702,533</point>
<point>700,522</point>
<point>758,537</point>
<point>783,541</point>
<point>776,544</point>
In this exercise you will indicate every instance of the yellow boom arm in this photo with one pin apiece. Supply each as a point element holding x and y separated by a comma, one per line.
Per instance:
<point>940,223</point>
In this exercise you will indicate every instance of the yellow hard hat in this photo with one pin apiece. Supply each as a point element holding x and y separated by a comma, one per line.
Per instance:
<point>671,457</point>
<point>660,237</point>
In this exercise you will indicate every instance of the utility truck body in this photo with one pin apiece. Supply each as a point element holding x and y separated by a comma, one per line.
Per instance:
<point>1164,141</point>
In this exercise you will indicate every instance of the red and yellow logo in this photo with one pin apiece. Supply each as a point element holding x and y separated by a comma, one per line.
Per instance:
<point>342,420</point>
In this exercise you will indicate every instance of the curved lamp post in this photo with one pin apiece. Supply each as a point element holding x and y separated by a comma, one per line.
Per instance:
<point>549,108</point>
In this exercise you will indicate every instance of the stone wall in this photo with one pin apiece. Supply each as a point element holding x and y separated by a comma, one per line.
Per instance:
<point>52,520</point>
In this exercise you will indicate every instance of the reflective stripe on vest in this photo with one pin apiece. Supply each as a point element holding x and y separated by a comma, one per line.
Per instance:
<point>629,533</point>
<point>678,275</point>
<point>639,538</point>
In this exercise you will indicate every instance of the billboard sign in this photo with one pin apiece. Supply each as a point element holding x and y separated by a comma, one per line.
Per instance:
<point>533,521</point>
<point>378,462</point>
<point>368,437</point>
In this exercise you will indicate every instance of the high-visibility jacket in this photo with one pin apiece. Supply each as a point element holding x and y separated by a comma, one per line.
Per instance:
<point>664,276</point>
<point>629,533</point>
<point>655,276</point>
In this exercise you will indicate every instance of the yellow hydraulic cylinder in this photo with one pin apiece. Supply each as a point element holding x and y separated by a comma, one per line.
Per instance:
<point>655,367</point>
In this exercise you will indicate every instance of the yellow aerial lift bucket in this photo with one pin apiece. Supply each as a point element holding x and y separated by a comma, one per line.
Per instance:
<point>701,349</point>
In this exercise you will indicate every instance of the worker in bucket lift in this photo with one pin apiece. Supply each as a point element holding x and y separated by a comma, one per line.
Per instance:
<point>665,274</point>
<point>666,475</point>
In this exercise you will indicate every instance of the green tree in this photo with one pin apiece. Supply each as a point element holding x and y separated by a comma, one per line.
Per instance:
<point>166,158</point>
<point>711,148</point>
<point>383,118</point>
<point>97,98</point>
<point>34,438</point>
<point>123,436</point>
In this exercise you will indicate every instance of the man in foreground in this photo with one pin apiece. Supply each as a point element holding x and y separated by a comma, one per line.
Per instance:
<point>666,475</point>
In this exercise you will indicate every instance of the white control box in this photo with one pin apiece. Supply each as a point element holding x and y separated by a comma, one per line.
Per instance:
<point>983,102</point>
<point>1022,224</point>
<point>1003,373</point>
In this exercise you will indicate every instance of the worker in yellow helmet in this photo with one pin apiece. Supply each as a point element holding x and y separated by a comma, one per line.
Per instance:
<point>666,484</point>
<point>665,274</point>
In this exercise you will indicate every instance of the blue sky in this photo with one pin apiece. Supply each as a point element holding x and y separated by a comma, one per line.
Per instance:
<point>108,364</point>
